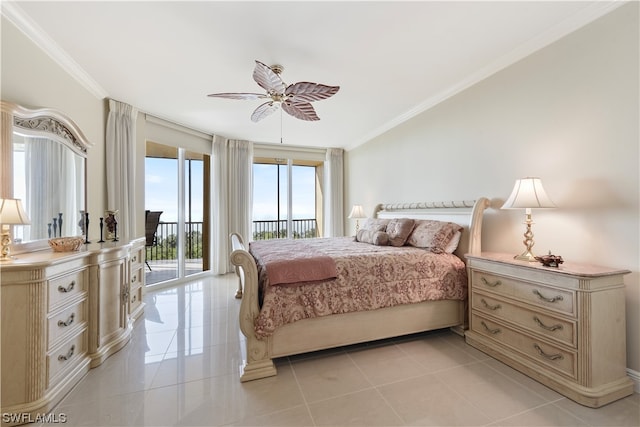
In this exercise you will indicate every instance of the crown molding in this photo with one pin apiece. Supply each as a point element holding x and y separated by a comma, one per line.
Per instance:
<point>37,35</point>
<point>555,33</point>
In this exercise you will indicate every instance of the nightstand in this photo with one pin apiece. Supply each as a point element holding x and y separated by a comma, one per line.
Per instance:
<point>564,327</point>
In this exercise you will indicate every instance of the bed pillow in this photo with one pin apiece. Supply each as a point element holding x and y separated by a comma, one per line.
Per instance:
<point>453,244</point>
<point>433,235</point>
<point>399,230</point>
<point>375,224</point>
<point>378,238</point>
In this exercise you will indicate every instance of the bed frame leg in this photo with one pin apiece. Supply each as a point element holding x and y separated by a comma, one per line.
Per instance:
<point>239,291</point>
<point>257,370</point>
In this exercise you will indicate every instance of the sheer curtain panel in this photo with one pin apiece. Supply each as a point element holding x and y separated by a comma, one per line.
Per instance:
<point>231,173</point>
<point>120,167</point>
<point>334,185</point>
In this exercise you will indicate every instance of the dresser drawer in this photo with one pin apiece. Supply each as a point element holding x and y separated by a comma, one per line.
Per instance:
<point>66,356</point>
<point>137,255</point>
<point>137,276</point>
<point>542,353</point>
<point>63,288</point>
<point>541,323</point>
<point>64,322</point>
<point>135,299</point>
<point>559,300</point>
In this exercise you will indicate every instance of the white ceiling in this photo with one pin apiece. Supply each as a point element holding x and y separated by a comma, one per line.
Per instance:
<point>392,59</point>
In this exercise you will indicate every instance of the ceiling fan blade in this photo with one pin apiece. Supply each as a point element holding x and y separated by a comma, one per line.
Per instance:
<point>309,92</point>
<point>263,111</point>
<point>239,95</point>
<point>267,79</point>
<point>300,110</point>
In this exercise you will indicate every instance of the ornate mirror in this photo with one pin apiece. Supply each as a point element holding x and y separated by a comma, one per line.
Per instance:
<point>44,164</point>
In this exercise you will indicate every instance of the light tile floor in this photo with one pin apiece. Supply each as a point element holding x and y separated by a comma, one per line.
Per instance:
<point>182,368</point>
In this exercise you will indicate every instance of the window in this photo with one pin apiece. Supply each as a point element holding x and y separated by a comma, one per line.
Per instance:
<point>286,200</point>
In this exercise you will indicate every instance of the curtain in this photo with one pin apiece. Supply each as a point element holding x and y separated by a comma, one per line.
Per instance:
<point>6,155</point>
<point>231,175</point>
<point>120,167</point>
<point>334,178</point>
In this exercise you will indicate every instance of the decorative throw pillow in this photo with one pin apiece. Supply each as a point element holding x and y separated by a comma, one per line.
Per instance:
<point>398,230</point>
<point>453,244</point>
<point>375,224</point>
<point>378,238</point>
<point>433,235</point>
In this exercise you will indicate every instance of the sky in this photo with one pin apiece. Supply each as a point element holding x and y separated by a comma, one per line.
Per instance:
<point>161,189</point>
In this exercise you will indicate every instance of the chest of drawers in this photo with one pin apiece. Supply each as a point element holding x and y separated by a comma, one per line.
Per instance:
<point>564,327</point>
<point>62,314</point>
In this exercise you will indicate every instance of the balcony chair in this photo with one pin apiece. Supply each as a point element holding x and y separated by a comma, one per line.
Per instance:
<point>152,219</point>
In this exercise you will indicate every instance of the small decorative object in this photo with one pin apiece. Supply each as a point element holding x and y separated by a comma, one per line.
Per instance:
<point>86,226</point>
<point>60,224</point>
<point>115,232</point>
<point>49,230</point>
<point>81,224</point>
<point>111,223</point>
<point>101,228</point>
<point>55,227</point>
<point>66,244</point>
<point>550,260</point>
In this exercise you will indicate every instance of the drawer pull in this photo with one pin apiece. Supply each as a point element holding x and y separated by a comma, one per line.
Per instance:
<point>134,278</point>
<point>67,356</point>
<point>548,328</point>
<point>489,306</point>
<point>542,297</point>
<point>69,288</point>
<point>548,356</point>
<point>68,322</point>
<point>134,258</point>
<point>488,329</point>
<point>491,284</point>
<point>125,294</point>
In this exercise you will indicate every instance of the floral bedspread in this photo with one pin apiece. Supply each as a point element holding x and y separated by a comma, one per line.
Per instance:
<point>368,277</point>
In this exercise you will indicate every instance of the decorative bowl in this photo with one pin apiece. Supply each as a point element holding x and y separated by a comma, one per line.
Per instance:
<point>66,244</point>
<point>550,260</point>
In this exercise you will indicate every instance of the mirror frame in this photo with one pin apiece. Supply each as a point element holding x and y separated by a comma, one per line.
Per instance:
<point>41,122</point>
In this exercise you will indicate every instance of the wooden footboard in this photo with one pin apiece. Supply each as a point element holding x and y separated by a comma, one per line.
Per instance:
<point>350,328</point>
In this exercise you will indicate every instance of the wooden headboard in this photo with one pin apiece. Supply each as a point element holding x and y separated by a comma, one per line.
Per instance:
<point>467,213</point>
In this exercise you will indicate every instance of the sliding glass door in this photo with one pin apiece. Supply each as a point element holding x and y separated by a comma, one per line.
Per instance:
<point>175,188</point>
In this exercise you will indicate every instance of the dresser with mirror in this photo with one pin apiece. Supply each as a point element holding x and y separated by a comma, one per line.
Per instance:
<point>63,313</point>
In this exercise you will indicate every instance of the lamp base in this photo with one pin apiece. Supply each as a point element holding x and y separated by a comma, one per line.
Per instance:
<point>5,242</point>
<point>526,256</point>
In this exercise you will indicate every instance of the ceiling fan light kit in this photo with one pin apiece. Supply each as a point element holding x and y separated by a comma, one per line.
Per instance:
<point>294,99</point>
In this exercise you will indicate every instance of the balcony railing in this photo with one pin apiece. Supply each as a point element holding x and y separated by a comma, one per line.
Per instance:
<point>274,229</point>
<point>166,243</point>
<point>165,246</point>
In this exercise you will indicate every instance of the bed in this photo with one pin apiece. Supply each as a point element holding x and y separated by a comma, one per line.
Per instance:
<point>331,326</point>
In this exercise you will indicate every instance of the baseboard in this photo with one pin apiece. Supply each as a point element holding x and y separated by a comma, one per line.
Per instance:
<point>635,377</point>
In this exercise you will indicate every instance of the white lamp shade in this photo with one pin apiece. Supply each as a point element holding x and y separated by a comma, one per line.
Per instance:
<point>12,212</point>
<point>528,193</point>
<point>357,212</point>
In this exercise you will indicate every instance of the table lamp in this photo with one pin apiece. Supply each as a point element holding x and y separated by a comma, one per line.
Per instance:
<point>528,193</point>
<point>11,213</point>
<point>357,213</point>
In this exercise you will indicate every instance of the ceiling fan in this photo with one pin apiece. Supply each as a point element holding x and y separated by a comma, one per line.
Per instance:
<point>294,99</point>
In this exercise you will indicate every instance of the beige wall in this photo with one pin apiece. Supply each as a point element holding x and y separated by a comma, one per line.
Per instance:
<point>31,78</point>
<point>568,114</point>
